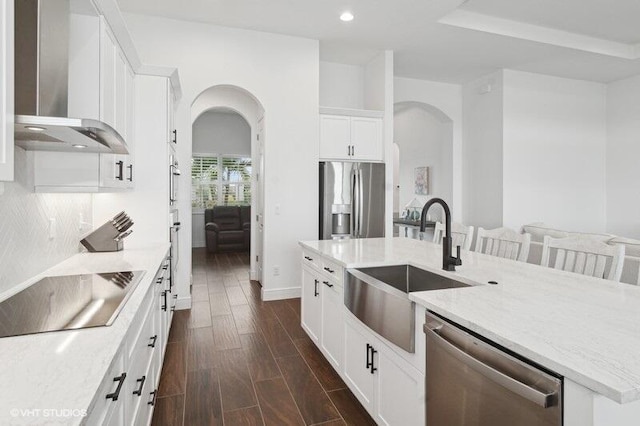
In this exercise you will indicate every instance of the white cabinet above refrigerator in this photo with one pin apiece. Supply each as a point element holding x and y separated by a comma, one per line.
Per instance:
<point>351,135</point>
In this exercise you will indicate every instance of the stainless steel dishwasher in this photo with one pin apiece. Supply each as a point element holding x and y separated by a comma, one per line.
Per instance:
<point>470,382</point>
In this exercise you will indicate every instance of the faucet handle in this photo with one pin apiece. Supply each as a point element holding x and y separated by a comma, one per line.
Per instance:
<point>458,259</point>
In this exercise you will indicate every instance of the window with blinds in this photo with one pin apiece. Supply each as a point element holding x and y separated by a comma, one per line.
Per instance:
<point>220,180</point>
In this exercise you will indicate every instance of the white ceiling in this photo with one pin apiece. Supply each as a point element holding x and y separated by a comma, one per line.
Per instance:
<point>428,49</point>
<point>615,20</point>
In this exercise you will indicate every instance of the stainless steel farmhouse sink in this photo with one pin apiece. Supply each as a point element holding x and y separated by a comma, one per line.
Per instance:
<point>379,297</point>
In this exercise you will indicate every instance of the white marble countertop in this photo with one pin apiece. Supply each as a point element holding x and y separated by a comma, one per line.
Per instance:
<point>63,370</point>
<point>585,329</point>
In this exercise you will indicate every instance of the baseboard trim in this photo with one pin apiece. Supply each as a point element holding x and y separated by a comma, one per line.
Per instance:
<point>280,293</point>
<point>183,303</point>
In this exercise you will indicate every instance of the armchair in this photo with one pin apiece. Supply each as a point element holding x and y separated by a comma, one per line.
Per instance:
<point>227,228</point>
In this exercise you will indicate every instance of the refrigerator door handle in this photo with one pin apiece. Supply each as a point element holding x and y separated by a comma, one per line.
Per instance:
<point>354,204</point>
<point>360,203</point>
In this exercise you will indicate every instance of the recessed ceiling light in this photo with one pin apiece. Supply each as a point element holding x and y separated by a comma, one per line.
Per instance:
<point>346,17</point>
<point>79,146</point>
<point>35,128</point>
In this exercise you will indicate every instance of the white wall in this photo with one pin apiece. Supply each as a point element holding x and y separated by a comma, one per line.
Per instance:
<point>283,74</point>
<point>221,133</point>
<point>554,152</point>
<point>424,139</point>
<point>446,98</point>
<point>341,85</point>
<point>623,153</point>
<point>483,150</point>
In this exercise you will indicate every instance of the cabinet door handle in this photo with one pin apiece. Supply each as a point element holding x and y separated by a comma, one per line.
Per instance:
<point>329,270</point>
<point>175,136</point>
<point>120,165</point>
<point>327,284</point>
<point>348,150</point>
<point>369,363</point>
<point>159,280</point>
<point>353,150</point>
<point>139,390</point>
<point>309,258</point>
<point>175,299</point>
<point>120,379</point>
<point>164,297</point>
<point>315,288</point>
<point>130,167</point>
<point>373,352</point>
<point>153,394</point>
<point>153,341</point>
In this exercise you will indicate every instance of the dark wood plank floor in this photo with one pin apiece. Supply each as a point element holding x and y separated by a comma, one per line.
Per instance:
<point>235,360</point>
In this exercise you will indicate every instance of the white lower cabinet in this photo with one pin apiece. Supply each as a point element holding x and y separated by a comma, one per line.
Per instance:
<point>109,406</point>
<point>357,364</point>
<point>396,377</point>
<point>332,334</point>
<point>311,304</point>
<point>128,392</point>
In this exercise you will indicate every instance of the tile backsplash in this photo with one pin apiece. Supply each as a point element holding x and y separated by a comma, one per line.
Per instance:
<point>26,248</point>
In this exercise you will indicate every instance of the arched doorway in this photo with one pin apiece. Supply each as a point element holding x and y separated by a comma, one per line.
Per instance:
<point>423,135</point>
<point>238,105</point>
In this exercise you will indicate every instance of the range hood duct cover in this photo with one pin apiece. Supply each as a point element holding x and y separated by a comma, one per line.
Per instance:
<point>41,85</point>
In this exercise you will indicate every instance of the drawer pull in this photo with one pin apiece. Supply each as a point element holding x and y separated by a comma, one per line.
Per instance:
<point>153,341</point>
<point>327,284</point>
<point>154,395</point>
<point>139,390</point>
<point>120,379</point>
<point>329,270</point>
<point>159,280</point>
<point>309,258</point>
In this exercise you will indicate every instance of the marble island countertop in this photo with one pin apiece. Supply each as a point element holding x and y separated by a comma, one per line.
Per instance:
<point>585,329</point>
<point>52,378</point>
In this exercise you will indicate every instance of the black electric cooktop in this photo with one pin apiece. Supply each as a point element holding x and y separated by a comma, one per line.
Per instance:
<point>67,302</point>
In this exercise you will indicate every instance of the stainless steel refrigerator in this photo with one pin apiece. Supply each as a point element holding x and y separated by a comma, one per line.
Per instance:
<point>351,200</point>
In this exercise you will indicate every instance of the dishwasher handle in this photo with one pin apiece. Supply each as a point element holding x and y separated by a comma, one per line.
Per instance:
<point>545,400</point>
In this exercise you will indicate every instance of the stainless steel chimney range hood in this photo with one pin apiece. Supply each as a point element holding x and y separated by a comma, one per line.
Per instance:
<point>41,85</point>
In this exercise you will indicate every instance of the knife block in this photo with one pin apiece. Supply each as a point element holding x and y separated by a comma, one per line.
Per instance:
<point>110,236</point>
<point>102,239</point>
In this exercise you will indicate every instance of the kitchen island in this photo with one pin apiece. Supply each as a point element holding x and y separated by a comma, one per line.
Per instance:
<point>64,377</point>
<point>584,329</point>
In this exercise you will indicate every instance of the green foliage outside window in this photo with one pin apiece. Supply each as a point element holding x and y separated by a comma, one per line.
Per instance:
<point>220,181</point>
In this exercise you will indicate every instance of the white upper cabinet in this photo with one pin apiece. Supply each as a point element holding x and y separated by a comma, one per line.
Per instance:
<point>121,95</point>
<point>6,91</point>
<point>108,58</point>
<point>335,137</point>
<point>344,137</point>
<point>366,139</point>
<point>171,110</point>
